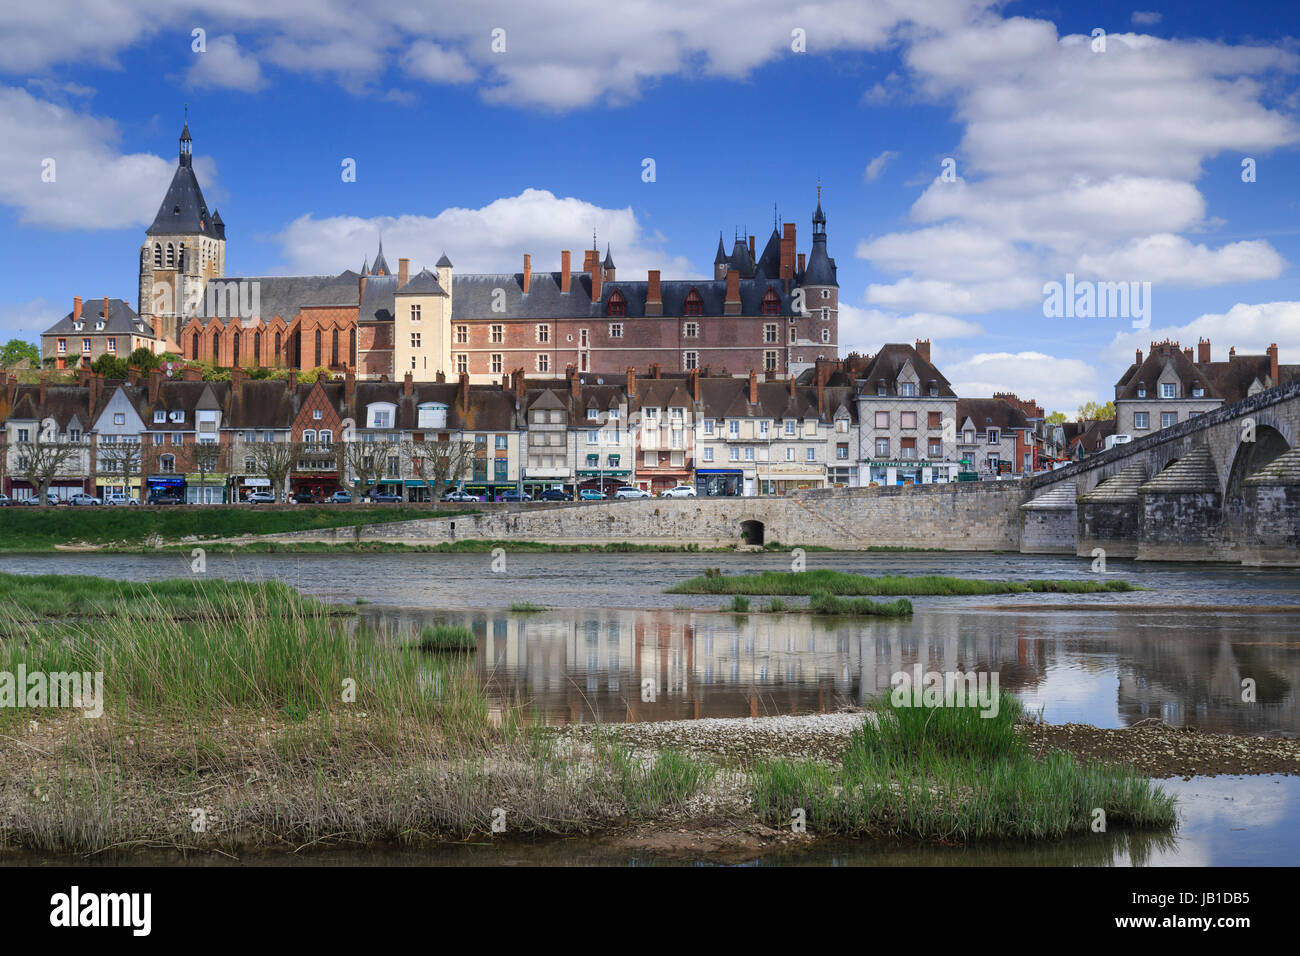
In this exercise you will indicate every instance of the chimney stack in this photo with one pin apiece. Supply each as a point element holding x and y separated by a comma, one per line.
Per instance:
<point>564,270</point>
<point>654,304</point>
<point>1271,352</point>
<point>441,377</point>
<point>802,256</point>
<point>923,348</point>
<point>361,288</point>
<point>751,248</point>
<point>787,254</point>
<point>1203,352</point>
<point>76,308</point>
<point>593,270</point>
<point>237,377</point>
<point>133,375</point>
<point>575,383</point>
<point>1188,352</point>
<point>521,387</point>
<point>403,271</point>
<point>41,394</point>
<point>155,384</point>
<point>695,384</point>
<point>462,391</point>
<point>528,271</point>
<point>791,383</point>
<point>1232,352</point>
<point>96,385</point>
<point>190,373</point>
<point>655,370</point>
<point>1139,357</point>
<point>631,383</point>
<point>732,305</point>
<point>106,311</point>
<point>753,385</point>
<point>408,384</point>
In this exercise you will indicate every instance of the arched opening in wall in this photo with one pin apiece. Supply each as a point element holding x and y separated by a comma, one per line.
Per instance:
<point>1251,457</point>
<point>195,341</point>
<point>257,348</point>
<point>751,532</point>
<point>352,348</point>
<point>234,355</point>
<point>278,357</point>
<point>216,346</point>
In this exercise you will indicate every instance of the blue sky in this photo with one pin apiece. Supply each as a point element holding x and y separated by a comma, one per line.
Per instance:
<point>1122,164</point>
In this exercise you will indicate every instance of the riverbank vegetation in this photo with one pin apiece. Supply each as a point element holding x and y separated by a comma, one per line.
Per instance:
<point>841,583</point>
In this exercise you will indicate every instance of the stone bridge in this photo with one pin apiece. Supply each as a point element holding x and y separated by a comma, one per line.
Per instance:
<point>1223,486</point>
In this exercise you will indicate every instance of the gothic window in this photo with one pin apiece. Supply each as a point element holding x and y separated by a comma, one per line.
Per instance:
<point>157,255</point>
<point>257,348</point>
<point>617,304</point>
<point>216,346</point>
<point>318,352</point>
<point>352,348</point>
<point>694,304</point>
<point>171,256</point>
<point>334,349</point>
<point>277,348</point>
<point>771,303</point>
<point>234,362</point>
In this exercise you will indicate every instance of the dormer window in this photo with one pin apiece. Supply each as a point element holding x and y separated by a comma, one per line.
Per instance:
<point>1198,392</point>
<point>159,416</point>
<point>880,390</point>
<point>1168,390</point>
<point>592,414</point>
<point>693,305</point>
<point>99,325</point>
<point>909,389</point>
<point>617,304</point>
<point>771,303</point>
<point>1142,391</point>
<point>177,416</point>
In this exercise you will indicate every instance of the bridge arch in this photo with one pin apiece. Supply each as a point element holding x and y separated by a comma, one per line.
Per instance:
<point>1249,457</point>
<point>752,532</point>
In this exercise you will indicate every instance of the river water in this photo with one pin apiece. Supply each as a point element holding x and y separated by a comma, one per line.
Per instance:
<point>1178,651</point>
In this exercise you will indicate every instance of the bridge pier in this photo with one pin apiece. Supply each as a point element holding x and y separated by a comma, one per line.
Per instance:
<point>1048,523</point>
<point>1110,516</point>
<point>1182,512</point>
<point>1271,501</point>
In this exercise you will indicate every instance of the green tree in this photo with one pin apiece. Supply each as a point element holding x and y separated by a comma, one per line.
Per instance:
<point>144,359</point>
<point>308,377</point>
<point>16,351</point>
<point>1091,412</point>
<point>109,366</point>
<point>1056,418</point>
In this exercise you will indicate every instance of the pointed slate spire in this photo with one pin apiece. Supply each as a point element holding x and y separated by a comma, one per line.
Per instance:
<point>183,211</point>
<point>365,267</point>
<point>609,259</point>
<point>443,262</point>
<point>380,266</point>
<point>721,257</point>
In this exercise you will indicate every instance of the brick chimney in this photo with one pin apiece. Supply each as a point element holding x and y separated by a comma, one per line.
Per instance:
<point>802,256</point>
<point>408,384</point>
<point>593,270</point>
<point>322,377</point>
<point>564,270</point>
<point>1138,361</point>
<point>655,370</point>
<point>575,383</point>
<point>1232,352</point>
<point>654,303</point>
<point>1203,352</point>
<point>76,308</point>
<point>923,348</point>
<point>41,394</point>
<point>1188,352</point>
<point>155,384</point>
<point>441,377</point>
<point>237,378</point>
<point>291,382</point>
<point>695,384</point>
<point>753,383</point>
<point>96,386</point>
<point>732,305</point>
<point>787,253</point>
<point>821,393</point>
<point>751,248</point>
<point>106,309</point>
<point>361,288</point>
<point>462,390</point>
<point>631,383</point>
<point>521,387</point>
<point>403,271</point>
<point>791,383</point>
<point>190,373</point>
<point>528,271</point>
<point>133,375</point>
<point>1271,352</point>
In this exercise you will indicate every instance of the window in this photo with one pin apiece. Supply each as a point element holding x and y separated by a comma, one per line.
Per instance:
<point>74,435</point>
<point>159,416</point>
<point>934,420</point>
<point>1198,392</point>
<point>749,453</point>
<point>708,454</point>
<point>502,442</point>
<point>1142,391</point>
<point>794,335</point>
<point>733,428</point>
<point>789,454</point>
<point>593,436</point>
<point>462,363</point>
<point>1141,420</point>
<point>317,414</point>
<point>907,448</point>
<point>119,418</point>
<point>908,390</point>
<point>415,313</point>
<point>907,420</point>
<point>1167,390</point>
<point>934,449</point>
<point>762,429</point>
<point>771,303</point>
<point>842,451</point>
<point>994,436</point>
<point>826,335</point>
<point>415,340</point>
<point>543,333</point>
<point>690,360</point>
<point>23,434</point>
<point>110,344</point>
<point>652,459</point>
<point>496,364</point>
<point>326,437</point>
<point>617,305</point>
<point>790,424</point>
<point>582,339</point>
<point>462,335</point>
<point>934,391</point>
<point>167,464</point>
<point>812,454</point>
<point>882,419</point>
<point>826,315</point>
<point>769,361</point>
<point>880,390</point>
<point>882,447</point>
<point>543,362</point>
<point>1168,419</point>
<point>769,333</point>
<point>693,305</point>
<point>498,334</point>
<point>85,345</point>
<point>733,454</point>
<point>309,437</point>
<point>63,346</point>
<point>708,426</point>
<point>691,330</point>
<point>616,330</point>
<point>968,437</point>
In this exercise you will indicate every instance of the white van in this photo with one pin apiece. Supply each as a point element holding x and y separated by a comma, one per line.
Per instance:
<point>1113,440</point>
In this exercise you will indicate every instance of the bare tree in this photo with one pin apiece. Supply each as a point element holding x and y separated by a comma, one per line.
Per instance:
<point>207,458</point>
<point>366,461</point>
<point>277,460</point>
<point>120,459</point>
<point>46,458</point>
<point>438,463</point>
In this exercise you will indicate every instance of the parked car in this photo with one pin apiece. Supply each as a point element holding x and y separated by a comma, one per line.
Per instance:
<point>590,494</point>
<point>679,491</point>
<point>306,498</point>
<point>5,501</point>
<point>161,497</point>
<point>554,494</point>
<point>81,498</point>
<point>514,496</point>
<point>261,498</point>
<point>341,498</point>
<point>383,497</point>
<point>120,499</point>
<point>460,496</point>
<point>627,491</point>
<point>36,500</point>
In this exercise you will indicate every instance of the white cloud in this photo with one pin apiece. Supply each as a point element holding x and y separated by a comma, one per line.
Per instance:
<point>1250,328</point>
<point>866,330</point>
<point>95,186</point>
<point>428,61</point>
<point>938,295</point>
<point>1055,383</point>
<point>877,166</point>
<point>492,238</point>
<point>27,320</point>
<point>1171,259</point>
<point>224,66</point>
<point>1146,18</point>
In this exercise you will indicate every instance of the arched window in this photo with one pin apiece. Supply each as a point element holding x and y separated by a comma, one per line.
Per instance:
<point>352,348</point>
<point>171,256</point>
<point>167,464</point>
<point>234,360</point>
<point>694,304</point>
<point>216,346</point>
<point>257,348</point>
<point>195,356</point>
<point>318,351</point>
<point>277,348</point>
<point>326,437</point>
<point>334,349</point>
<point>771,303</point>
<point>309,437</point>
<point>617,304</point>
<point>157,255</point>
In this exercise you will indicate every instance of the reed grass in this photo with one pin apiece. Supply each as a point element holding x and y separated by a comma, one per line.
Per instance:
<point>445,637</point>
<point>842,583</point>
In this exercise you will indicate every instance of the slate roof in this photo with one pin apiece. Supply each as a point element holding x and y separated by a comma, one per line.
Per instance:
<point>285,296</point>
<point>820,267</point>
<point>1094,435</point>
<point>122,320</point>
<point>769,262</point>
<point>888,364</point>
<point>65,403</point>
<point>988,413</point>
<point>423,282</point>
<point>1154,365</point>
<point>183,211</point>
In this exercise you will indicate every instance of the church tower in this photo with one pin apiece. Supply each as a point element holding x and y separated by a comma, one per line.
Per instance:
<point>816,333</point>
<point>183,249</point>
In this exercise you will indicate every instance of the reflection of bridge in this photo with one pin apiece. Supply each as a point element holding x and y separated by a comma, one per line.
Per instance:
<point>1223,486</point>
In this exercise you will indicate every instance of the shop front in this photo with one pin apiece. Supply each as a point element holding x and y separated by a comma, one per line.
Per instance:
<point>19,489</point>
<point>171,484</point>
<point>911,472</point>
<point>320,484</point>
<point>719,482</point>
<point>245,486</point>
<point>780,479</point>
<point>604,480</point>
<point>209,489</point>
<point>110,485</point>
